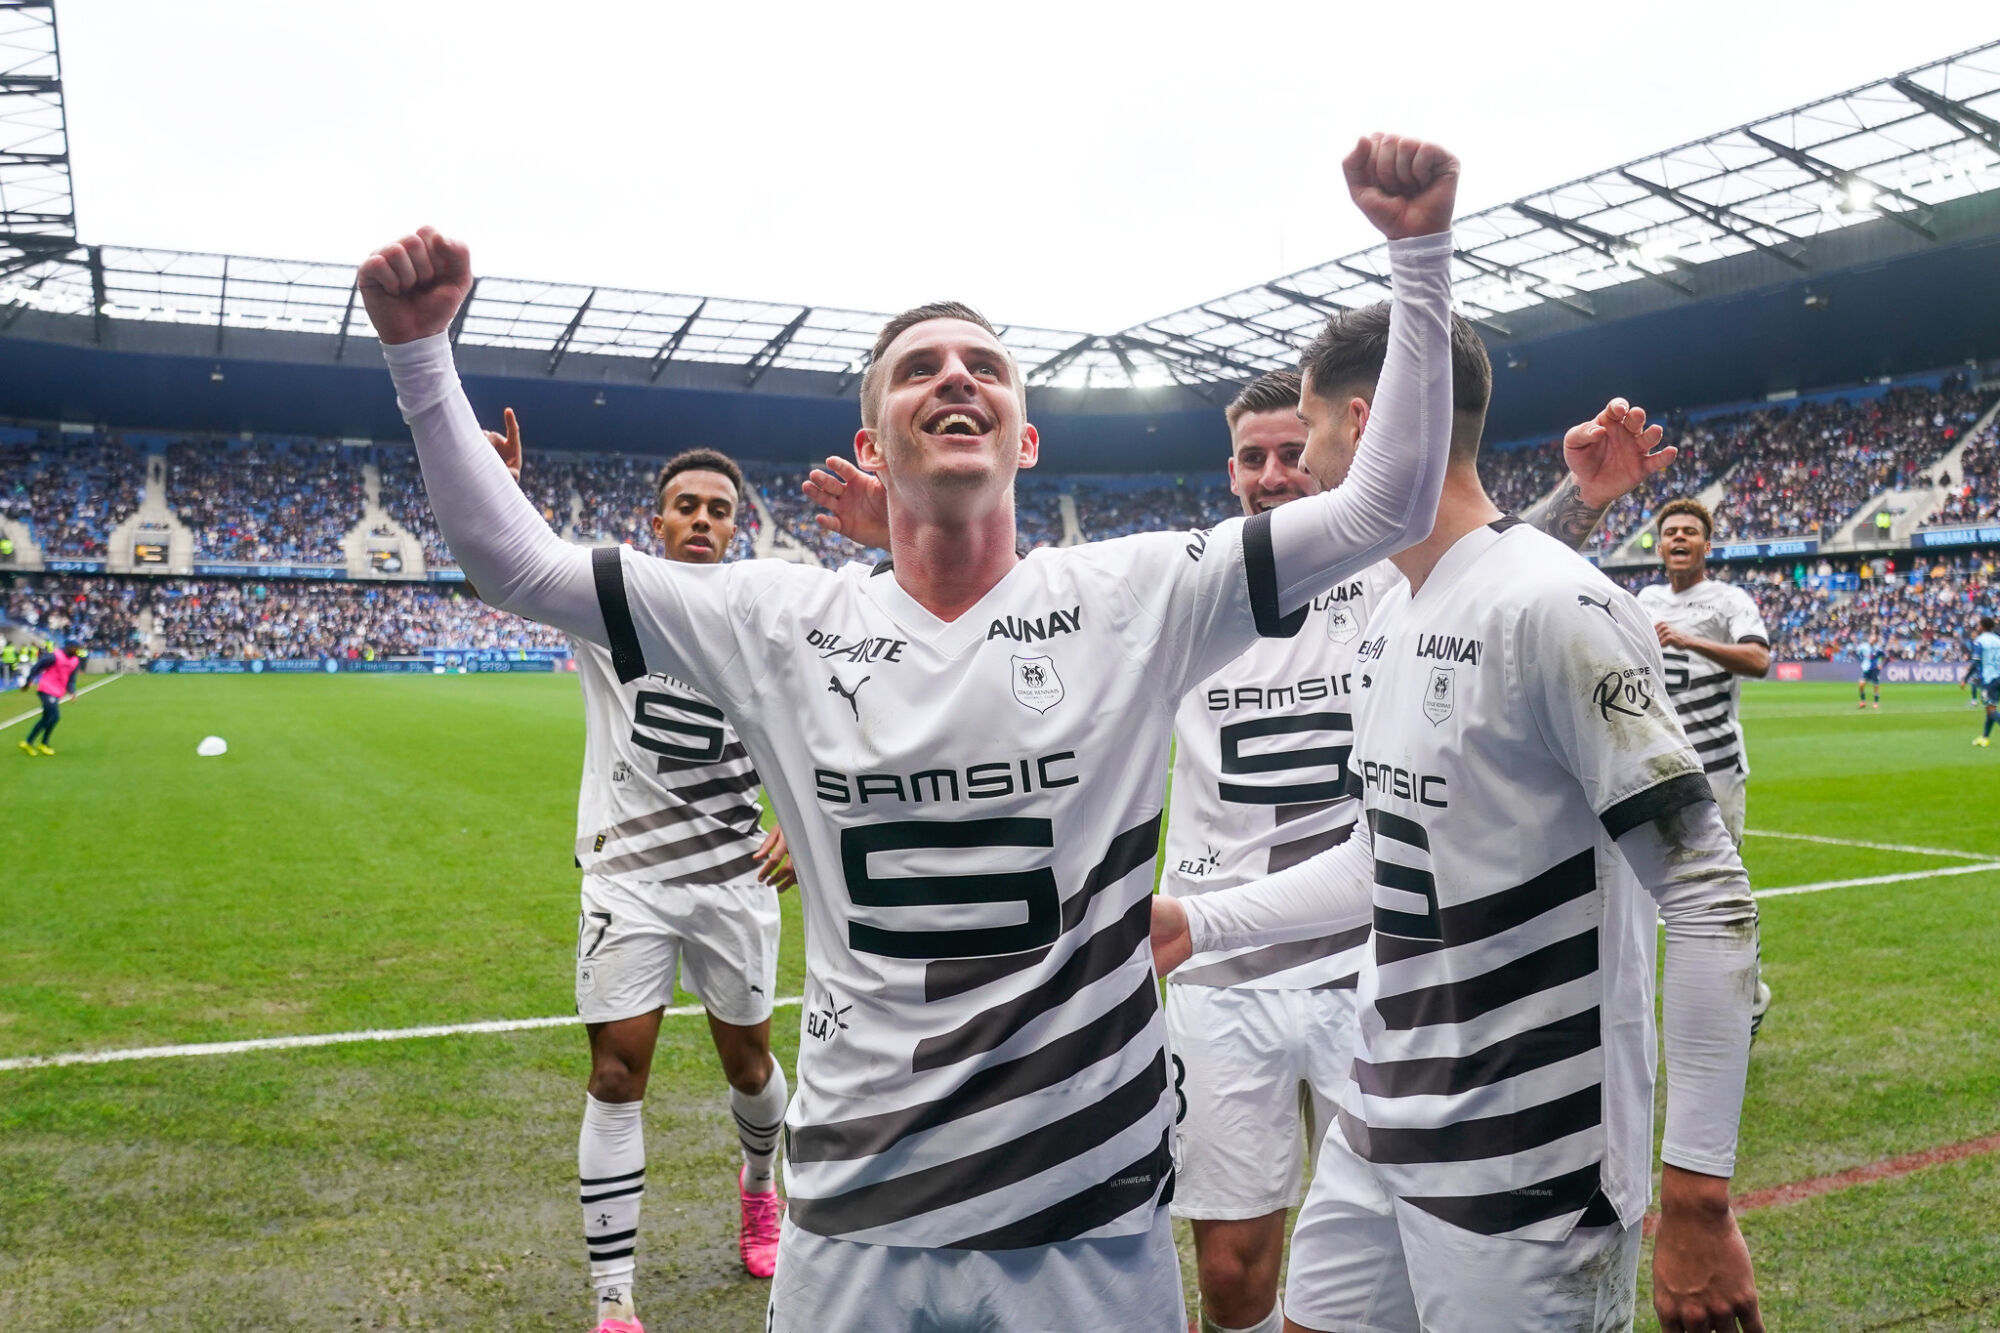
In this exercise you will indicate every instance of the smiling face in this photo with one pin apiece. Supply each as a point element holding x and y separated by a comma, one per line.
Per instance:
<point>1683,544</point>
<point>697,518</point>
<point>1333,425</point>
<point>1266,462</point>
<point>948,413</point>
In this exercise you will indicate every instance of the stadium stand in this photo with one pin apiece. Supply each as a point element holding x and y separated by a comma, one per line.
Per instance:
<point>1975,496</point>
<point>267,499</point>
<point>102,614</point>
<point>71,492</point>
<point>1118,506</point>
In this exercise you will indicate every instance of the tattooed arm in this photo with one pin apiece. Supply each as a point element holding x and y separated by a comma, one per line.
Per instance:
<point>1608,457</point>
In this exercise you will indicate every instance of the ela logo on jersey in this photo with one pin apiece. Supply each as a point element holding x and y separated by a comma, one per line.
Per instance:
<point>1036,683</point>
<point>1440,694</point>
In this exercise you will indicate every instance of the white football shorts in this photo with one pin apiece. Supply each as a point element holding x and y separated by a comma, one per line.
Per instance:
<point>1730,786</point>
<point>1365,1262</point>
<point>631,938</point>
<point>1122,1284</point>
<point>1256,1073</point>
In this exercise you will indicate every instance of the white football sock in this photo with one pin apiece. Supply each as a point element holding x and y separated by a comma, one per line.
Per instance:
<point>1273,1322</point>
<point>760,1116</point>
<point>611,1181</point>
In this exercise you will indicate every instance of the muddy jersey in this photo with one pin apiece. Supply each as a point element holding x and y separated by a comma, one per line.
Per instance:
<point>669,794</point>
<point>1260,781</point>
<point>974,807</point>
<point>1511,724</point>
<point>1704,694</point>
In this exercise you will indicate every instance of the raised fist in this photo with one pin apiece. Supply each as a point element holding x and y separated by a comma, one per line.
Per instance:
<point>1406,187</point>
<point>414,286</point>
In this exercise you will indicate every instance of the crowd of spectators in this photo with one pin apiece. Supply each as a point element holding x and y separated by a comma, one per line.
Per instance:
<point>1118,506</point>
<point>70,491</point>
<point>195,618</point>
<point>1805,470</point>
<point>102,614</point>
<point>1974,496</point>
<point>1918,612</point>
<point>266,500</point>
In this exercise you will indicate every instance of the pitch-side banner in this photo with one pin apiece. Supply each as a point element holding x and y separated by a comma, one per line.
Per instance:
<point>1894,673</point>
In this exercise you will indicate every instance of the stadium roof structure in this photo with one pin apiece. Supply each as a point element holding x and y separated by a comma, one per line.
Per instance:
<point>1895,151</point>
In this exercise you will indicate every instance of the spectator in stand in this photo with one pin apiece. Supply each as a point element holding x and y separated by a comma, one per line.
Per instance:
<point>270,501</point>
<point>70,491</point>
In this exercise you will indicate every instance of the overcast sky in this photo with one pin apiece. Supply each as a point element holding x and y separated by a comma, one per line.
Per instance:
<point>1081,165</point>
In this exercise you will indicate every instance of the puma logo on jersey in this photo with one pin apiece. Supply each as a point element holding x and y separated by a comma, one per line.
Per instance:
<point>833,686</point>
<point>1023,630</point>
<point>1449,648</point>
<point>1604,606</point>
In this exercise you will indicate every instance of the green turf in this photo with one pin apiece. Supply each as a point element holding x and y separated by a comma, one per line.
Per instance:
<point>383,852</point>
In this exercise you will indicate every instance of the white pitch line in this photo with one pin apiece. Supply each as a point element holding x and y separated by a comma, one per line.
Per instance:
<point>1824,885</point>
<point>1876,846</point>
<point>322,1039</point>
<point>16,721</point>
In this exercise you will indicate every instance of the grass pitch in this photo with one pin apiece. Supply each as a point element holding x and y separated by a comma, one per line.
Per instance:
<point>385,852</point>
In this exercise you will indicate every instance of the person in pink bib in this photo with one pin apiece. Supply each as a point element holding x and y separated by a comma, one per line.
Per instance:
<point>50,676</point>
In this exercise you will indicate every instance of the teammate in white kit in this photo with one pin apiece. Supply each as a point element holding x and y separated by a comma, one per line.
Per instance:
<point>1261,1037</point>
<point>1710,634</point>
<point>676,879</point>
<point>1488,1165</point>
<point>964,747</point>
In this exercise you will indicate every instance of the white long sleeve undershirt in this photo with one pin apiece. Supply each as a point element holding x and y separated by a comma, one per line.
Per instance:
<point>1388,502</point>
<point>1689,865</point>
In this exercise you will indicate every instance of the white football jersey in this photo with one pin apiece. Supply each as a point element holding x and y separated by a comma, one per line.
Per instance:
<point>1260,781</point>
<point>1703,693</point>
<point>974,811</point>
<point>1511,724</point>
<point>669,795</point>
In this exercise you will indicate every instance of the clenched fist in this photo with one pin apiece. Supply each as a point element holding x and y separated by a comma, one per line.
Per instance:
<point>414,286</point>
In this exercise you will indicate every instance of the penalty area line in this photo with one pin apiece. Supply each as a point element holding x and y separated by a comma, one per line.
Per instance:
<point>1904,877</point>
<point>325,1039</point>
<point>1873,846</point>
<point>16,721</point>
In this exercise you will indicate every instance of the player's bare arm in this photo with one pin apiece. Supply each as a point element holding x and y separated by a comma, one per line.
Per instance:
<point>1742,659</point>
<point>1702,1280</point>
<point>1609,456</point>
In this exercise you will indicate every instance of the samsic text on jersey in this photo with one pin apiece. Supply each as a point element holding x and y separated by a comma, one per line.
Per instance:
<point>669,795</point>
<point>1260,781</point>
<point>1512,724</point>
<point>1704,694</point>
<point>974,809</point>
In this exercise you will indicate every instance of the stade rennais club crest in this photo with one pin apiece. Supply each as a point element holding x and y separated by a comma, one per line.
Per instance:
<point>1036,683</point>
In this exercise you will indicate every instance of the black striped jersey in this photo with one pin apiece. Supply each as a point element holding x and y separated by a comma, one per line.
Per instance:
<point>1260,781</point>
<point>669,795</point>
<point>1511,724</point>
<point>974,810</point>
<point>1703,694</point>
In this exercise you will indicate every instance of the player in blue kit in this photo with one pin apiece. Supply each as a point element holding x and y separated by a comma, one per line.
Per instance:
<point>1986,658</point>
<point>1872,655</point>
